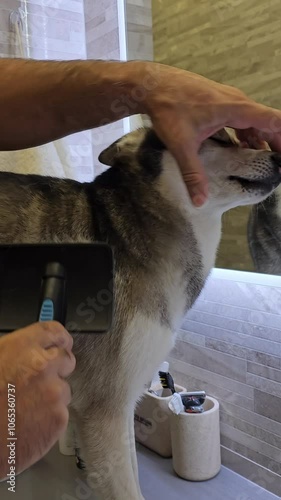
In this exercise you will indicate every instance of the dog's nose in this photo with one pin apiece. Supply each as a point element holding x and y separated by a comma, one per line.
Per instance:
<point>276,158</point>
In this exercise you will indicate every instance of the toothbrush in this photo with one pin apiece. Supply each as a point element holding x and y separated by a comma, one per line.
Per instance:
<point>167,381</point>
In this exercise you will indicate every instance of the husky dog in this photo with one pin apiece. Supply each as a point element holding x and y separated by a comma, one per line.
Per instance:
<point>264,234</point>
<point>164,249</point>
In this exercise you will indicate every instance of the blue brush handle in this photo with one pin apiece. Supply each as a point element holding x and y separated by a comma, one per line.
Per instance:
<point>53,294</point>
<point>47,310</point>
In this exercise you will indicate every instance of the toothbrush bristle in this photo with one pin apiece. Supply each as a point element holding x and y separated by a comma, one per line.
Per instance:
<point>167,381</point>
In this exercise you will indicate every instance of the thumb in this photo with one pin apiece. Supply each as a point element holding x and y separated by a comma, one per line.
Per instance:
<point>182,143</point>
<point>192,170</point>
<point>193,174</point>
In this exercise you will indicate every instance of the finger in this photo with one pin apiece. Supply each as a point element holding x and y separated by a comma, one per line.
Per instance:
<point>275,143</point>
<point>57,392</point>
<point>66,395</point>
<point>263,139</point>
<point>251,138</point>
<point>193,175</point>
<point>50,333</point>
<point>60,419</point>
<point>183,145</point>
<point>192,170</point>
<point>264,121</point>
<point>60,361</point>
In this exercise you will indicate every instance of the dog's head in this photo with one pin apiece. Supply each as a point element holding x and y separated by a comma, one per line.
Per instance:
<point>237,176</point>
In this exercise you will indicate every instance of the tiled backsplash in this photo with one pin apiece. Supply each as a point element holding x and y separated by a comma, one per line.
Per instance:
<point>230,346</point>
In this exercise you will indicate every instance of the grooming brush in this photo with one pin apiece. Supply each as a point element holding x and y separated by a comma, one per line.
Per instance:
<point>167,381</point>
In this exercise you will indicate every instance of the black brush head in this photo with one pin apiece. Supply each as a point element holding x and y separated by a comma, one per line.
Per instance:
<point>88,272</point>
<point>167,381</point>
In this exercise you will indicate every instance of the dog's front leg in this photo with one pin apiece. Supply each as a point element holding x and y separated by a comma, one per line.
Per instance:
<point>107,451</point>
<point>134,460</point>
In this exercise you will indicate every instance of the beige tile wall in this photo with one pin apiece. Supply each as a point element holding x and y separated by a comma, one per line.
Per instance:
<point>229,345</point>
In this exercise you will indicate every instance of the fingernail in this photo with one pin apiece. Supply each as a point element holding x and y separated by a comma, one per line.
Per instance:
<point>199,200</point>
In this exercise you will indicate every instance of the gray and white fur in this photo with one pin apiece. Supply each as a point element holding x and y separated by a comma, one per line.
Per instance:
<point>264,234</point>
<point>164,249</point>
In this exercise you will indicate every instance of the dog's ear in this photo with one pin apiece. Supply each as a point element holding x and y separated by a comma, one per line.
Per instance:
<point>225,135</point>
<point>124,149</point>
<point>108,155</point>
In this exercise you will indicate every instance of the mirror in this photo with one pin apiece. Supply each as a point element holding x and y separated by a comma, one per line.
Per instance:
<point>237,43</point>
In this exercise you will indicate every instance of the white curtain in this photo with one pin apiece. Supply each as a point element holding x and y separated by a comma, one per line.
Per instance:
<point>56,158</point>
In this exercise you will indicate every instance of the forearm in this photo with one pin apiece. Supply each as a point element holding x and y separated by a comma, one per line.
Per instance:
<point>3,429</point>
<point>41,101</point>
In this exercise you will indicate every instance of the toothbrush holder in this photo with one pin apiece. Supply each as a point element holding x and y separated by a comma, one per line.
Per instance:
<point>196,442</point>
<point>152,420</point>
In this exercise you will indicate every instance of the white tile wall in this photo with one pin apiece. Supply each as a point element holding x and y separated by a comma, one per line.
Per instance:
<point>230,345</point>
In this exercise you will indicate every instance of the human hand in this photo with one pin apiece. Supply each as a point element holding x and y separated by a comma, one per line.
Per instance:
<point>186,109</point>
<point>35,361</point>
